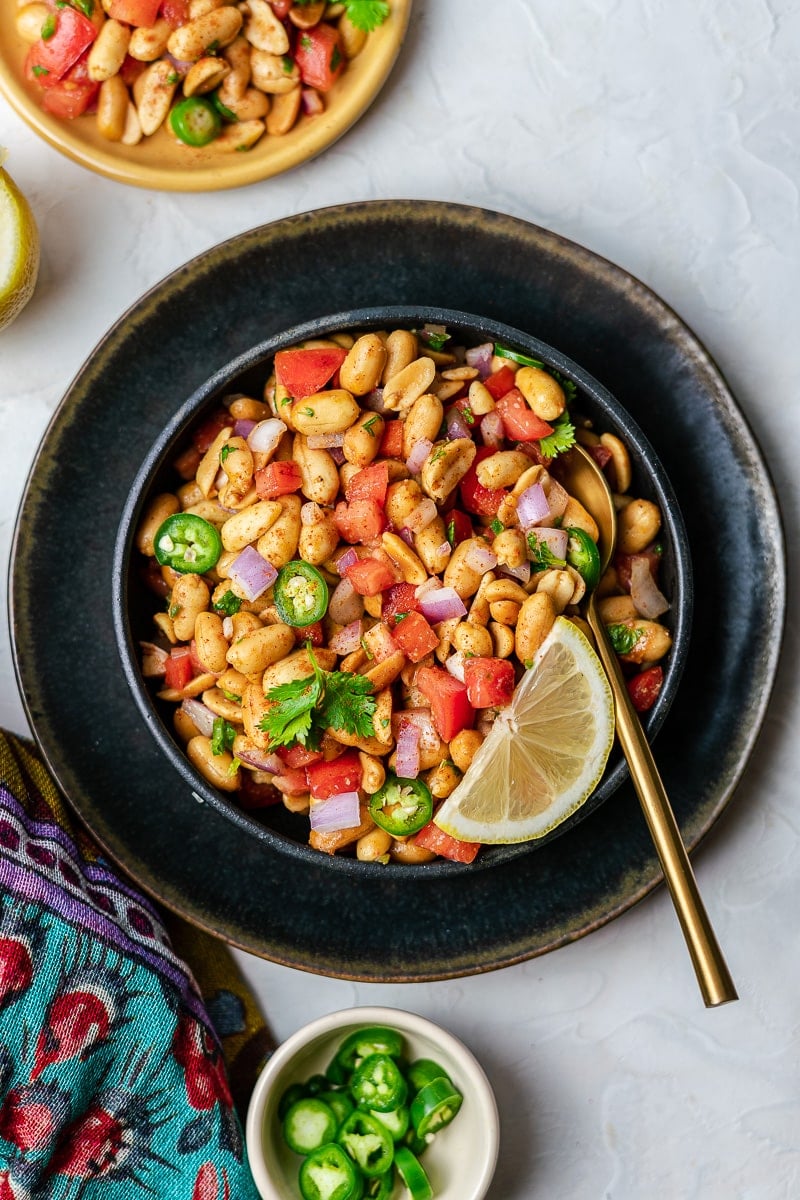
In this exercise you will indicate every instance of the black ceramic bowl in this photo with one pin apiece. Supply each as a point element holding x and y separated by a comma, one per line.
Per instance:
<point>134,603</point>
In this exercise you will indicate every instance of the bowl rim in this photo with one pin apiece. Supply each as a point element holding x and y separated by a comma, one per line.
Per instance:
<point>219,384</point>
<point>300,145</point>
<point>405,1021</point>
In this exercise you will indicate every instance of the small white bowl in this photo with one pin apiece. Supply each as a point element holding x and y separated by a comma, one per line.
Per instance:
<point>461,1160</point>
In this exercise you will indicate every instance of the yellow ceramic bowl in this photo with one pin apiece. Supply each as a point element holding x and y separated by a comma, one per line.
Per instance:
<point>163,162</point>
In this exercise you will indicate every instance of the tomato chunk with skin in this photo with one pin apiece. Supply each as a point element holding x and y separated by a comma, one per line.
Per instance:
<point>49,59</point>
<point>501,382</point>
<point>179,669</point>
<point>451,710</point>
<point>369,576</point>
<point>520,422</point>
<point>319,56</point>
<point>134,12</point>
<point>342,774</point>
<point>431,837</point>
<point>370,483</point>
<point>415,637</point>
<point>298,756</point>
<point>477,499</point>
<point>392,440</point>
<point>400,598</point>
<point>278,479</point>
<point>359,521</point>
<point>303,372</point>
<point>489,681</point>
<point>645,687</point>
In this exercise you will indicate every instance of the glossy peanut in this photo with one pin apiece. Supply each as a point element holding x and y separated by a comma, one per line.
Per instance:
<point>361,371</point>
<point>190,596</point>
<point>401,349</point>
<point>464,747</point>
<point>279,544</point>
<point>403,388</point>
<point>162,506</point>
<point>256,651</point>
<point>535,620</point>
<point>638,524</point>
<point>446,466</point>
<point>284,111</point>
<point>214,29</point>
<point>544,394</point>
<point>211,645</point>
<point>318,472</point>
<point>217,769</point>
<point>108,51</point>
<point>423,421</point>
<point>332,411</point>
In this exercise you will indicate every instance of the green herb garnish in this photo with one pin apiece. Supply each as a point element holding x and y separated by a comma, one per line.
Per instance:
<point>623,638</point>
<point>497,526</point>
<point>301,710</point>
<point>228,604</point>
<point>40,71</point>
<point>524,360</point>
<point>541,556</point>
<point>48,28</point>
<point>223,735</point>
<point>367,14</point>
<point>561,439</point>
<point>225,453</point>
<point>369,425</point>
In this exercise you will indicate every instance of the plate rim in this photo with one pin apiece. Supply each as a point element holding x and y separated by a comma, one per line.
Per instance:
<point>699,352</point>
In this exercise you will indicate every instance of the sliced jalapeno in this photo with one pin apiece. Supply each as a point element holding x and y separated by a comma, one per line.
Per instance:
<point>188,544</point>
<point>367,1142</point>
<point>301,594</point>
<point>396,1120</point>
<point>328,1174</point>
<point>378,1084</point>
<point>583,555</point>
<point>372,1039</point>
<point>412,1174</point>
<point>340,1103</point>
<point>401,806</point>
<point>435,1106</point>
<point>424,1070</point>
<point>379,1187</point>
<point>309,1124</point>
<point>195,121</point>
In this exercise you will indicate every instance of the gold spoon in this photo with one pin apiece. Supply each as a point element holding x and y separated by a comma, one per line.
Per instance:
<point>583,479</point>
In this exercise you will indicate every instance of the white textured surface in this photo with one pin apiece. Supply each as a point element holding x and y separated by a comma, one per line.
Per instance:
<point>662,134</point>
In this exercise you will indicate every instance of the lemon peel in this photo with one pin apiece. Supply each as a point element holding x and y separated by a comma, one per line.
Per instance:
<point>19,248</point>
<point>545,753</point>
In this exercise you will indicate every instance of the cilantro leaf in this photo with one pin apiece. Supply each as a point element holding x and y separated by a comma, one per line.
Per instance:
<point>292,705</point>
<point>228,604</point>
<point>301,710</point>
<point>623,638</point>
<point>562,437</point>
<point>223,735</point>
<point>541,555</point>
<point>349,703</point>
<point>367,14</point>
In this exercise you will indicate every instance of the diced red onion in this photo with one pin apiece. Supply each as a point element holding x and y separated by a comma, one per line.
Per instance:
<point>407,536</point>
<point>481,357</point>
<point>457,427</point>
<point>261,760</point>
<point>347,559</point>
<point>341,811</point>
<point>252,572</point>
<point>374,401</point>
<point>347,639</point>
<point>243,428</point>
<point>522,574</point>
<point>200,715</point>
<point>430,584</point>
<point>492,430</point>
<point>418,455</point>
<point>337,454</point>
<point>555,539</point>
<point>310,513</point>
<point>649,601</point>
<point>422,718</point>
<point>421,516</point>
<point>154,660</point>
<point>264,437</point>
<point>455,665</point>
<point>324,441</point>
<point>345,604</point>
<point>180,65</point>
<point>312,102</point>
<point>557,498</point>
<point>444,550</point>
<point>480,559</point>
<point>532,507</point>
<point>441,605</point>
<point>407,750</point>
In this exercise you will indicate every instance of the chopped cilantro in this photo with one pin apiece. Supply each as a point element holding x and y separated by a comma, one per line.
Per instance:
<point>497,526</point>
<point>301,710</point>
<point>223,735</point>
<point>367,650</point>
<point>173,77</point>
<point>49,27</point>
<point>40,71</point>
<point>369,425</point>
<point>367,14</point>
<point>288,64</point>
<point>451,533</point>
<point>225,453</point>
<point>561,439</point>
<point>309,412</point>
<point>541,556</point>
<point>336,58</point>
<point>467,414</point>
<point>234,699</point>
<point>524,360</point>
<point>623,637</point>
<point>228,604</point>
<point>85,6</point>
<point>305,42</point>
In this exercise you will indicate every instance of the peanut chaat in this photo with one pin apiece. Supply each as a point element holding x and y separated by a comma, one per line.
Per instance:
<point>359,566</point>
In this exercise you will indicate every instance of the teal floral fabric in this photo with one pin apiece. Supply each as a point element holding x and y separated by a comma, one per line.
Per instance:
<point>113,1080</point>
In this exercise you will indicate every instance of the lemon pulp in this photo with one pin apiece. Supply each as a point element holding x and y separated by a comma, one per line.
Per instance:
<point>19,249</point>
<point>545,753</point>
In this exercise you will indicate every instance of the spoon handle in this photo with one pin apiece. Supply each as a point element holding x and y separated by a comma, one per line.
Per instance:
<point>712,973</point>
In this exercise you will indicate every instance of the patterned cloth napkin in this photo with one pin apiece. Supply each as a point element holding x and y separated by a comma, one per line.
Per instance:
<point>124,1072</point>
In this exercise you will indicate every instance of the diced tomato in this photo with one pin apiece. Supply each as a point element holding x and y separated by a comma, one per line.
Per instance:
<point>476,498</point>
<point>392,440</point>
<point>360,521</point>
<point>134,12</point>
<point>342,774</point>
<point>623,563</point>
<point>303,372</point>
<point>369,576</point>
<point>415,637</point>
<point>320,56</point>
<point>292,781</point>
<point>644,688</point>
<point>369,484</point>
<point>278,479</point>
<point>175,12</point>
<point>431,837</point>
<point>501,382</point>
<point>130,71</point>
<point>179,669</point>
<point>67,99</point>
<point>281,8</point>
<point>298,756</point>
<point>400,598</point>
<point>310,633</point>
<point>254,794</point>
<point>205,433</point>
<point>519,421</point>
<point>379,642</point>
<point>49,60</point>
<point>459,526</point>
<point>450,707</point>
<point>490,681</point>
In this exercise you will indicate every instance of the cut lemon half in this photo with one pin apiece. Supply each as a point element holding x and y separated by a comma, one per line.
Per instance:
<point>545,753</point>
<point>19,249</point>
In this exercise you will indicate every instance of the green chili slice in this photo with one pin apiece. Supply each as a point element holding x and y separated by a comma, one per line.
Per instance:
<point>328,1174</point>
<point>372,1039</point>
<point>301,594</point>
<point>584,556</point>
<point>378,1084</point>
<point>434,1107</point>
<point>188,544</point>
<point>412,1174</point>
<point>401,806</point>
<point>309,1124</point>
<point>195,121</point>
<point>367,1142</point>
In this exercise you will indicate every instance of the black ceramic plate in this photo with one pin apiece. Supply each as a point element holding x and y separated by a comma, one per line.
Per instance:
<point>84,717</point>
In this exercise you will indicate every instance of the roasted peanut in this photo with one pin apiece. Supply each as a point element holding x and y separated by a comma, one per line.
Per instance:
<point>112,108</point>
<point>471,639</point>
<point>401,500</point>
<point>446,466</point>
<point>162,506</point>
<point>373,773</point>
<point>481,400</point>
<point>216,28</point>
<point>651,645</point>
<point>239,136</point>
<point>432,546</point>
<point>148,42</point>
<point>443,779</point>
<point>318,471</point>
<point>30,19</point>
<point>503,469</point>
<point>222,706</point>
<point>544,394</point>
<point>363,439</point>
<point>268,73</point>
<point>250,524</point>
<point>410,854</point>
<point>211,645</point>
<point>284,111</point>
<point>279,544</point>
<point>361,371</point>
<point>333,411</point>
<point>403,388</point>
<point>373,845</point>
<point>511,548</point>
<point>218,769</point>
<point>190,596</point>
<point>204,76</point>
<point>638,524</point>
<point>319,539</point>
<point>502,639</point>
<point>423,421</point>
<point>535,620</point>
<point>263,29</point>
<point>153,92</point>
<point>411,566</point>
<point>464,747</point>
<point>614,610</point>
<point>505,612</point>
<point>575,515</point>
<point>620,459</point>
<point>459,574</point>
<point>258,650</point>
<point>108,52</point>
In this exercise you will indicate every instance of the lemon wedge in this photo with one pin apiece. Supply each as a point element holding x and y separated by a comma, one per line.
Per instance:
<point>545,753</point>
<point>19,248</point>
